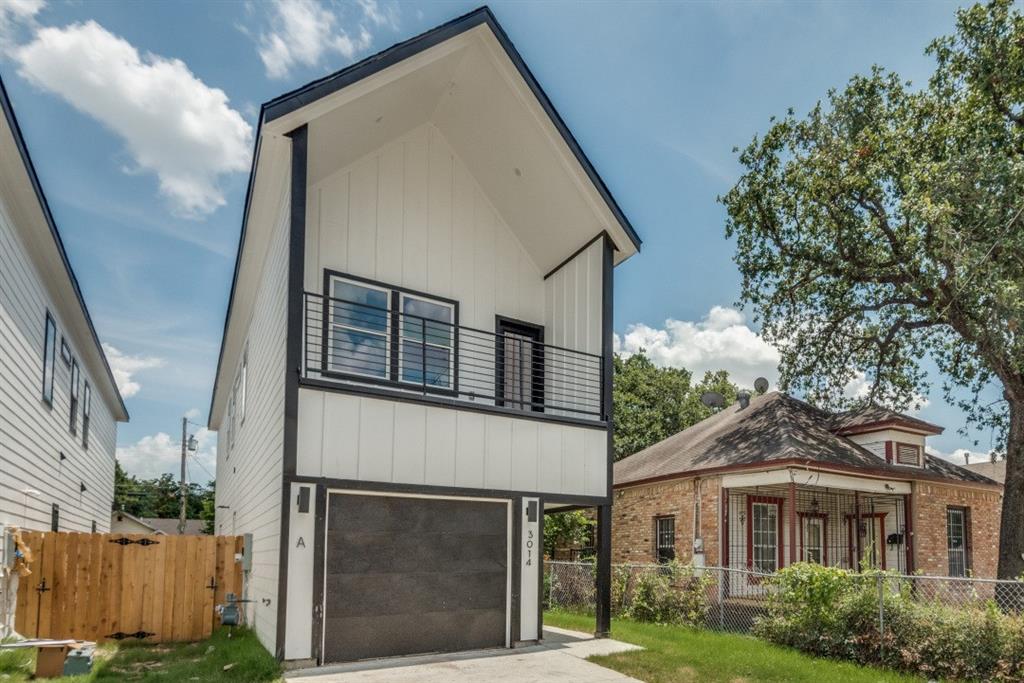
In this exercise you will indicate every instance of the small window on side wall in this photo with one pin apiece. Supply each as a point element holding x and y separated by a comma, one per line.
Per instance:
<point>86,413</point>
<point>665,539</point>
<point>75,380</point>
<point>49,356</point>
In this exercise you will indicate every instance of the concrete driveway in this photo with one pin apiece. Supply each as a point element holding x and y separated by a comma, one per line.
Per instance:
<point>561,657</point>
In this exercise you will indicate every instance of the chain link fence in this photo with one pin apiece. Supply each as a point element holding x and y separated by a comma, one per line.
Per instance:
<point>734,599</point>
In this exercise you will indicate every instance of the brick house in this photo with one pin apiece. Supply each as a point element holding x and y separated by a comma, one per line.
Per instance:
<point>770,481</point>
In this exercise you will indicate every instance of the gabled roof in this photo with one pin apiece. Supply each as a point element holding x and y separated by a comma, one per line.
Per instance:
<point>773,429</point>
<point>322,87</point>
<point>118,408</point>
<point>874,417</point>
<point>317,102</point>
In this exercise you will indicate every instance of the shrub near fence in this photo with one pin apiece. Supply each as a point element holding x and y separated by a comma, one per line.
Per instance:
<point>949,628</point>
<point>894,621</point>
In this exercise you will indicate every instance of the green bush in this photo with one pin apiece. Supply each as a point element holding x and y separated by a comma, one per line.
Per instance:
<point>670,594</point>
<point>835,613</point>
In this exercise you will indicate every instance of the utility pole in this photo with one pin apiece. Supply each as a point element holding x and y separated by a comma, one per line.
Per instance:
<point>184,493</point>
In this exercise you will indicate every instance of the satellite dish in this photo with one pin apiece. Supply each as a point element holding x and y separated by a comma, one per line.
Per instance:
<point>712,399</point>
<point>761,385</point>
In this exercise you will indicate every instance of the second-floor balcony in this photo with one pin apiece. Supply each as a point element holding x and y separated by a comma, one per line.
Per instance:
<point>415,347</point>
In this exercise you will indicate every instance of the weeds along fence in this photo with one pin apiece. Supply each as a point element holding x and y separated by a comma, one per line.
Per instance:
<point>734,599</point>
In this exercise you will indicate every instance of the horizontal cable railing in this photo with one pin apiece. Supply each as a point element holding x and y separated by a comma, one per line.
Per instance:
<point>354,342</point>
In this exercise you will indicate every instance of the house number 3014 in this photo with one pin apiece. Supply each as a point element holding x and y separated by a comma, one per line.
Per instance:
<point>529,547</point>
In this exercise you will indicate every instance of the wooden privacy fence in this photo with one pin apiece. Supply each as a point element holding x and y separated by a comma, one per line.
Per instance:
<point>115,586</point>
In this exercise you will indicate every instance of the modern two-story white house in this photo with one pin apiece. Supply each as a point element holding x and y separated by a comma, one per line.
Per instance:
<point>59,403</point>
<point>416,359</point>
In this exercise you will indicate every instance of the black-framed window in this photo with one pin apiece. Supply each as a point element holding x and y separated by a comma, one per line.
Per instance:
<point>958,533</point>
<point>55,517</point>
<point>86,412</point>
<point>664,539</point>
<point>94,526</point>
<point>75,381</point>
<point>519,365</point>
<point>49,358</point>
<point>65,351</point>
<point>381,333</point>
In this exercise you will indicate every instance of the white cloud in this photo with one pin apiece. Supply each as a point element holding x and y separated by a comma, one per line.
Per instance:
<point>957,456</point>
<point>192,413</point>
<point>124,368</point>
<point>304,32</point>
<point>154,455</point>
<point>860,386</point>
<point>720,341</point>
<point>173,124</point>
<point>15,13</point>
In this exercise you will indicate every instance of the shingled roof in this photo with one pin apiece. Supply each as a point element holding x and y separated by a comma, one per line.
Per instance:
<point>772,428</point>
<point>870,417</point>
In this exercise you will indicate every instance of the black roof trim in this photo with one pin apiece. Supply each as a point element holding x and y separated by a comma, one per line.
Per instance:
<point>238,260</point>
<point>315,90</point>
<point>19,141</point>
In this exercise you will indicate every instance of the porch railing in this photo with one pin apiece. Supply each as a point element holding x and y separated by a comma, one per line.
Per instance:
<point>355,343</point>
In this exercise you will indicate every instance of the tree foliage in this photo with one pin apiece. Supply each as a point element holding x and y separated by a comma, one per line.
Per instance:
<point>571,529</point>
<point>160,497</point>
<point>652,403</point>
<point>884,228</point>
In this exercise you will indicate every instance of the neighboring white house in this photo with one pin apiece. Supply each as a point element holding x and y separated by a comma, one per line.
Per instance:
<point>417,353</point>
<point>59,403</point>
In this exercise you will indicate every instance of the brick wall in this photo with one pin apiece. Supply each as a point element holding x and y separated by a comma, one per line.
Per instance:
<point>929,501</point>
<point>634,510</point>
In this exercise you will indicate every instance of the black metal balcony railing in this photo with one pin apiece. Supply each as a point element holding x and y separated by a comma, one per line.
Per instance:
<point>352,342</point>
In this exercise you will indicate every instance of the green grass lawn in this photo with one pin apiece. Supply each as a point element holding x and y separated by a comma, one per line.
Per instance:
<point>239,658</point>
<point>676,654</point>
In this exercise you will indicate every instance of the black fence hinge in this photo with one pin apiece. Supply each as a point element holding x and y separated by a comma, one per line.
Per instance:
<point>121,635</point>
<point>127,541</point>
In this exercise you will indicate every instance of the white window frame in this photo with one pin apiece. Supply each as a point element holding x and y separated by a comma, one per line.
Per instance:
<point>402,296</point>
<point>331,325</point>
<point>755,544</point>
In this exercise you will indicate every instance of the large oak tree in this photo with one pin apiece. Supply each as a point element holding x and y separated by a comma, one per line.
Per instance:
<point>884,228</point>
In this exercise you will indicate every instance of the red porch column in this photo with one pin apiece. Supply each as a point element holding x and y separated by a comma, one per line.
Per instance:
<point>792,522</point>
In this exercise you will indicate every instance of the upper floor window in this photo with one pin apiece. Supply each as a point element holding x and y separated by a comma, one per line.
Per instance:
<point>665,539</point>
<point>49,356</point>
<point>908,454</point>
<point>75,380</point>
<point>381,333</point>
<point>86,413</point>
<point>243,378</point>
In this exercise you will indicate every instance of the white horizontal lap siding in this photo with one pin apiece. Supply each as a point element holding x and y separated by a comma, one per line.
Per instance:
<point>368,439</point>
<point>411,215</point>
<point>573,298</point>
<point>32,434</point>
<point>249,476</point>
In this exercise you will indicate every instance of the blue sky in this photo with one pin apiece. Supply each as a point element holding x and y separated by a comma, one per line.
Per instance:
<point>149,199</point>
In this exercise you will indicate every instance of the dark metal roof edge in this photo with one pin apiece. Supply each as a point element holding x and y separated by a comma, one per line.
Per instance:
<point>315,90</point>
<point>238,260</point>
<point>26,159</point>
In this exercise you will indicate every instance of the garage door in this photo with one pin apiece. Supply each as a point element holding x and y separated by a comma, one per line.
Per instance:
<point>411,575</point>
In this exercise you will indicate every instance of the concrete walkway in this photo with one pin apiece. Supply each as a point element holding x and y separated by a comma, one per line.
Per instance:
<point>560,657</point>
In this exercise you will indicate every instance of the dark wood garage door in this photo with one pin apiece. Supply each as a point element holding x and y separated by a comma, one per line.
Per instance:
<point>413,575</point>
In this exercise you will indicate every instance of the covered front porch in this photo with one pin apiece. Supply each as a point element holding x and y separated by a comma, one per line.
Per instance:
<point>773,519</point>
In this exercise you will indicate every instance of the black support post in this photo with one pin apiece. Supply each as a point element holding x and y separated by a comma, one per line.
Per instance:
<point>604,571</point>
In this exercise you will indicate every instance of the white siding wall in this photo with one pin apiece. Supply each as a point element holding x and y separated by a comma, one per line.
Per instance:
<point>411,215</point>
<point>249,476</point>
<point>32,434</point>
<point>355,437</point>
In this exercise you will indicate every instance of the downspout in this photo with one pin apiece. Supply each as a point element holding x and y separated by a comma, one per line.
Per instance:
<point>697,554</point>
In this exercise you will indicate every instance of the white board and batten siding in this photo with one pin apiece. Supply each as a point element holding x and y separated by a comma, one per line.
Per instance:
<point>410,215</point>
<point>344,436</point>
<point>32,434</point>
<point>250,473</point>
